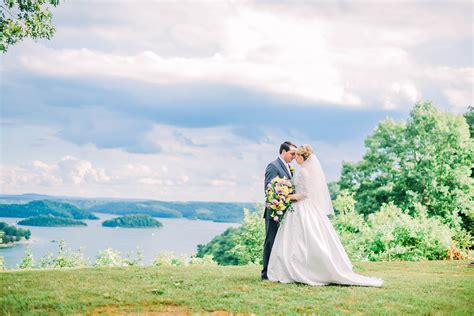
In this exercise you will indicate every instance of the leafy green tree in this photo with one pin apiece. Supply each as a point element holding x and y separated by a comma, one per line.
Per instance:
<point>10,233</point>
<point>469,116</point>
<point>28,261</point>
<point>238,246</point>
<point>66,258</point>
<point>50,221</point>
<point>219,247</point>
<point>25,18</point>
<point>132,221</point>
<point>248,244</point>
<point>426,160</point>
<point>468,221</point>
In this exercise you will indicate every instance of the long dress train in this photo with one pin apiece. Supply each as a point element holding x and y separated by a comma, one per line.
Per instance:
<point>307,248</point>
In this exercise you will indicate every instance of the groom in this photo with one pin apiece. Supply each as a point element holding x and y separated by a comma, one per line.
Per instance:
<point>280,167</point>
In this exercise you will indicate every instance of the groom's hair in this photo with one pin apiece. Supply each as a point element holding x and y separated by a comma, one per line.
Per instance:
<point>286,146</point>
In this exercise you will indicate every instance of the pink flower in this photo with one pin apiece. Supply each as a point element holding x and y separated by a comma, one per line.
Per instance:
<point>275,218</point>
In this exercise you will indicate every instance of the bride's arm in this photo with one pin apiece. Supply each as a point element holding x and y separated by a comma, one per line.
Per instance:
<point>300,187</point>
<point>296,196</point>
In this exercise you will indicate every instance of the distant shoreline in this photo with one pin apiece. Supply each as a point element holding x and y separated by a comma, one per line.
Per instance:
<point>15,243</point>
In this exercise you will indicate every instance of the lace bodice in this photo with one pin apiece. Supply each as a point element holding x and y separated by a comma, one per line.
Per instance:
<point>311,183</point>
<point>301,182</point>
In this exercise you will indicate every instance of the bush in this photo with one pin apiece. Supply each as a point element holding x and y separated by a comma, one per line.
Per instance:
<point>238,246</point>
<point>66,258</point>
<point>169,259</point>
<point>393,234</point>
<point>28,262</point>
<point>112,258</point>
<point>248,244</point>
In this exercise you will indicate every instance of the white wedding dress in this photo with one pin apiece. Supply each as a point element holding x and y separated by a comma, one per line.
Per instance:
<point>307,249</point>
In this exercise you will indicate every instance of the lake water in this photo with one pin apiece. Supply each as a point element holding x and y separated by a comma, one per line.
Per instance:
<point>178,235</point>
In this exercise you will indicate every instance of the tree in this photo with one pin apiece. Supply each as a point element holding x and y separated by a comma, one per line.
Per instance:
<point>238,246</point>
<point>25,18</point>
<point>469,116</point>
<point>426,160</point>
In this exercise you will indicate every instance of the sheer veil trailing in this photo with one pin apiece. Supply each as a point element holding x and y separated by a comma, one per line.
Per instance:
<point>316,187</point>
<point>307,248</point>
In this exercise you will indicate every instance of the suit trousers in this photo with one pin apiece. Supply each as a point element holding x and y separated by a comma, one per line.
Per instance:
<point>271,228</point>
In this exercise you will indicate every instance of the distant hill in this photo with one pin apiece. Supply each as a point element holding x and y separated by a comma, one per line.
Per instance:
<point>133,221</point>
<point>25,197</point>
<point>44,207</point>
<point>213,211</point>
<point>50,221</point>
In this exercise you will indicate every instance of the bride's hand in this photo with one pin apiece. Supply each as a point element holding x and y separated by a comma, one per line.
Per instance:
<point>296,196</point>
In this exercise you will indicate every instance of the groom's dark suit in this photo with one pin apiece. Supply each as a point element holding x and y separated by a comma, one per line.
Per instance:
<point>274,168</point>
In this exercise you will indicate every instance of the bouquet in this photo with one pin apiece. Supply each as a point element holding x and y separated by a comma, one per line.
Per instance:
<point>277,197</point>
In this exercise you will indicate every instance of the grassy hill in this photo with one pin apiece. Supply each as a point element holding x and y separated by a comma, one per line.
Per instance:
<point>214,211</point>
<point>430,287</point>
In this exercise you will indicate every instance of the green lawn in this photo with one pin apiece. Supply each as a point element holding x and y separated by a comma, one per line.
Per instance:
<point>430,287</point>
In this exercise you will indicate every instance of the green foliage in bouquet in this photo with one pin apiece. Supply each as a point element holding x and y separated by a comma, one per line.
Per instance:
<point>276,197</point>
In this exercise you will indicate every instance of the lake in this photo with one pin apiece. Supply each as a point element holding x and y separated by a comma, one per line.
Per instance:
<point>178,235</point>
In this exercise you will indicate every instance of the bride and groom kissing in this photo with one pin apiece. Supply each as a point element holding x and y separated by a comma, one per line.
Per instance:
<point>305,247</point>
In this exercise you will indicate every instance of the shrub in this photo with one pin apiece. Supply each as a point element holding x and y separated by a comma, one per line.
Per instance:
<point>248,244</point>
<point>28,262</point>
<point>395,235</point>
<point>66,258</point>
<point>169,259</point>
<point>112,258</point>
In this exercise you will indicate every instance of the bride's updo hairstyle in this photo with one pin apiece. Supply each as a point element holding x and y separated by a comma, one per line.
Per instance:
<point>304,151</point>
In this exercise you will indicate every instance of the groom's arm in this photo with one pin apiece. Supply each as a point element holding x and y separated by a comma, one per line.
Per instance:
<point>270,173</point>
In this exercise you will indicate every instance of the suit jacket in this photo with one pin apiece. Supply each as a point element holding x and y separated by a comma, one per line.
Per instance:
<point>274,168</point>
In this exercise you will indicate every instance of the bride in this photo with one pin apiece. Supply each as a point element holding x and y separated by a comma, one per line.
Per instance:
<point>307,248</point>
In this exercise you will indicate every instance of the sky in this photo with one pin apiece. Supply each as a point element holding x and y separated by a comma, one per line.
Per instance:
<point>190,100</point>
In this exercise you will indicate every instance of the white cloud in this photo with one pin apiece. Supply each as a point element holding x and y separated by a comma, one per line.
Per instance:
<point>347,54</point>
<point>68,170</point>
<point>229,168</point>
<point>356,54</point>
<point>79,171</point>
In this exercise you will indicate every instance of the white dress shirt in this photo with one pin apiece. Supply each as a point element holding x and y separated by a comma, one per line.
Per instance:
<point>286,165</point>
